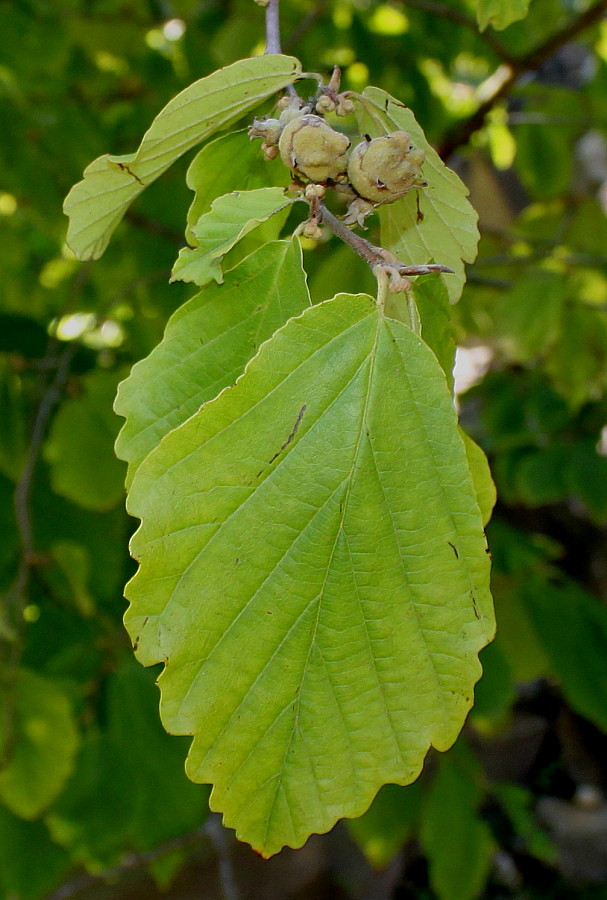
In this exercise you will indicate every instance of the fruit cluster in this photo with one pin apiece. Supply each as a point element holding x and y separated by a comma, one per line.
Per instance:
<point>376,171</point>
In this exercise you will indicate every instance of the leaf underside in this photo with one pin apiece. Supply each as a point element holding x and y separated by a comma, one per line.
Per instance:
<point>436,223</point>
<point>313,574</point>
<point>97,204</point>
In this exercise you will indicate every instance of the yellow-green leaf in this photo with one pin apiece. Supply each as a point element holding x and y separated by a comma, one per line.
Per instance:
<point>96,204</point>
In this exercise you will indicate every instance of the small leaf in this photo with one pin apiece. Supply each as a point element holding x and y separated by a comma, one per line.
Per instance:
<point>518,803</point>
<point>313,573</point>
<point>500,13</point>
<point>97,203</point>
<point>456,841</point>
<point>45,743</point>
<point>436,223</point>
<point>207,344</point>
<point>80,446</point>
<point>484,486</point>
<point>388,823</point>
<point>209,176</point>
<point>231,217</point>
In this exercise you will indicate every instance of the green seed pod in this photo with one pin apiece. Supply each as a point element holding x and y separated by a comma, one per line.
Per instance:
<point>386,168</point>
<point>313,150</point>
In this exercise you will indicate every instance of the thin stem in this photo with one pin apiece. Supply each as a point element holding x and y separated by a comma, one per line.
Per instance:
<point>273,27</point>
<point>374,256</point>
<point>220,838</point>
<point>15,600</point>
<point>130,863</point>
<point>364,248</point>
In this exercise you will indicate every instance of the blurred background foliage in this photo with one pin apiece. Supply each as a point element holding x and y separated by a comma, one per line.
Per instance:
<point>93,799</point>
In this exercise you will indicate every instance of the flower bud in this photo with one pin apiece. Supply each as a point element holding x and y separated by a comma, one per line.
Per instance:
<point>386,168</point>
<point>267,129</point>
<point>345,106</point>
<point>325,104</point>
<point>313,150</point>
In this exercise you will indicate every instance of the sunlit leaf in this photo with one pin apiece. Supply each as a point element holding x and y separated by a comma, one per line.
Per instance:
<point>435,223</point>
<point>313,573</point>
<point>231,217</point>
<point>207,344</point>
<point>97,203</point>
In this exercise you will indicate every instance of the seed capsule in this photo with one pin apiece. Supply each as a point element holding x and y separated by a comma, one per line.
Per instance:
<point>313,150</point>
<point>386,168</point>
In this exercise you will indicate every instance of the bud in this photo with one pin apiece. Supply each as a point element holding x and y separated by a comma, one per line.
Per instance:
<point>345,106</point>
<point>311,230</point>
<point>386,168</point>
<point>325,104</point>
<point>267,129</point>
<point>313,150</point>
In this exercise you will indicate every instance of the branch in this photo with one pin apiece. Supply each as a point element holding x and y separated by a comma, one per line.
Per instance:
<point>463,131</point>
<point>15,600</point>
<point>374,256</point>
<point>452,14</point>
<point>212,829</point>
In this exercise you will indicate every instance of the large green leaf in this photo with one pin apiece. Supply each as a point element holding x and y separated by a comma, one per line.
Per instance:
<point>313,574</point>
<point>436,223</point>
<point>231,217</point>
<point>207,344</point>
<point>45,743</point>
<point>97,203</point>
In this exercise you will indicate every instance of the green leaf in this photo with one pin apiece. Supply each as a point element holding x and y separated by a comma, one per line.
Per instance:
<point>528,320</point>
<point>456,841</point>
<point>42,751</point>
<point>500,13</point>
<point>388,823</point>
<point>97,203</point>
<point>535,144</point>
<point>80,446</point>
<point>207,344</point>
<point>129,787</point>
<point>31,865</point>
<point>484,487</point>
<point>231,218</point>
<point>518,803</point>
<point>436,223</point>
<point>495,692</point>
<point>209,176</point>
<point>572,626</point>
<point>313,574</point>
